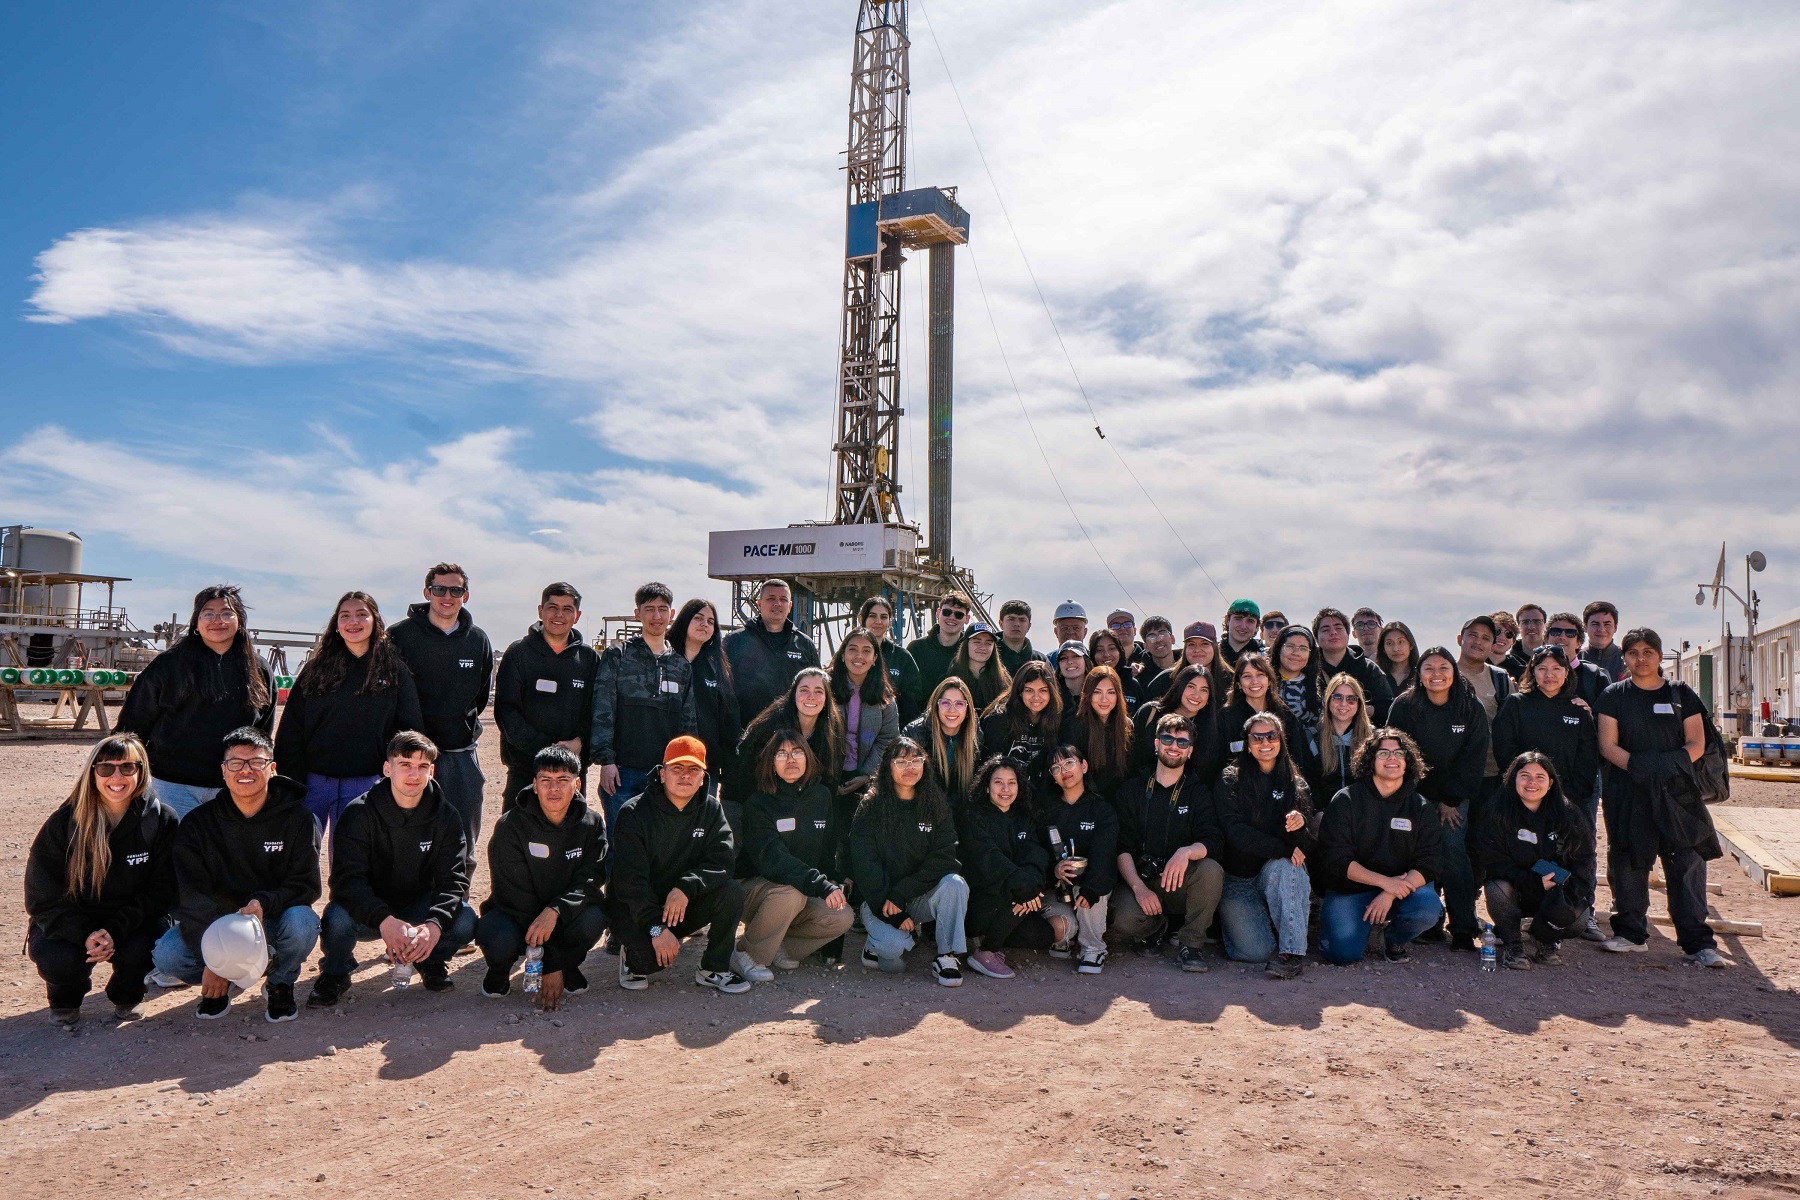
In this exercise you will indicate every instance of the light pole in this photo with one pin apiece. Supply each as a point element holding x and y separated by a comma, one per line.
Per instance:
<point>1744,694</point>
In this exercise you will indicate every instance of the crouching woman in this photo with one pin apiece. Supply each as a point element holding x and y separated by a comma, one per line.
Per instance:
<point>1530,826</point>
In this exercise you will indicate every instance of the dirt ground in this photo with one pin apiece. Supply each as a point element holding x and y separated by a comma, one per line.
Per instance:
<point>1612,1075</point>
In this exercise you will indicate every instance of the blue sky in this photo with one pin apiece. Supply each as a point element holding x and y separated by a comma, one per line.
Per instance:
<point>1436,310</point>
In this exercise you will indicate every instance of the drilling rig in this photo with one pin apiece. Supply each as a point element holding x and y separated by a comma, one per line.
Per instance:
<point>868,547</point>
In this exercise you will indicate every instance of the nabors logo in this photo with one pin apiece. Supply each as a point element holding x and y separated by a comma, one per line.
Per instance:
<point>779,549</point>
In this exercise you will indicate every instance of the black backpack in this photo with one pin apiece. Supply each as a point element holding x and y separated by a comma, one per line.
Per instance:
<point>1712,772</point>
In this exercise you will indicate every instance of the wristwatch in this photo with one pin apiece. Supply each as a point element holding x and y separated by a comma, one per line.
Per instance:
<point>656,931</point>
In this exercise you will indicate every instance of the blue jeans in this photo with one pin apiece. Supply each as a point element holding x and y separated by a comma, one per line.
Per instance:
<point>1266,913</point>
<point>339,934</point>
<point>292,937</point>
<point>1458,880</point>
<point>327,797</point>
<point>947,904</point>
<point>1344,935</point>
<point>182,798</point>
<point>631,782</point>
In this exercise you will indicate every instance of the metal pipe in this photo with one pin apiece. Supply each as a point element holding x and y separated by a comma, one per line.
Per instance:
<point>940,353</point>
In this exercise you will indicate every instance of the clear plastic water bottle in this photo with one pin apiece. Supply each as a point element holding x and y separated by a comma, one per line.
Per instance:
<point>404,972</point>
<point>1490,954</point>
<point>534,969</point>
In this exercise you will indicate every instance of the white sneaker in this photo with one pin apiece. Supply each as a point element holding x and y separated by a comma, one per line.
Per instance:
<point>159,979</point>
<point>1622,945</point>
<point>746,966</point>
<point>630,980</point>
<point>1092,962</point>
<point>784,963</point>
<point>1709,958</point>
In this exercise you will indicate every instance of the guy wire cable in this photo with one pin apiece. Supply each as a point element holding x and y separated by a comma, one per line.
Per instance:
<point>1067,357</point>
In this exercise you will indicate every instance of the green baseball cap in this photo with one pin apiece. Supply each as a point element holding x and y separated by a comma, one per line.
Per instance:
<point>1244,606</point>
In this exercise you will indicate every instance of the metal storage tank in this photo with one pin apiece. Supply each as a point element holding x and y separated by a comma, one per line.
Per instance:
<point>46,550</point>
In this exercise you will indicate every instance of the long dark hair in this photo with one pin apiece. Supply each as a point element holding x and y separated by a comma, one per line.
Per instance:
<point>243,648</point>
<point>767,781</point>
<point>1245,762</point>
<point>877,690</point>
<point>1462,693</point>
<point>330,663</point>
<point>882,804</point>
<point>1412,650</point>
<point>994,765</point>
<point>1312,678</point>
<point>1206,721</point>
<point>1271,698</point>
<point>1019,720</point>
<point>1107,742</point>
<point>1528,682</point>
<point>1560,814</point>
<point>783,713</point>
<point>714,646</point>
<point>988,685</point>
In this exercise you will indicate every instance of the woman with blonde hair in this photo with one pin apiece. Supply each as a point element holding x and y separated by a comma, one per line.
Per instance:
<point>948,731</point>
<point>1342,731</point>
<point>100,881</point>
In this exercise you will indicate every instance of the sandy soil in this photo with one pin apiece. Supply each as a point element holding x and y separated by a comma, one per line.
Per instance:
<point>1616,1076</point>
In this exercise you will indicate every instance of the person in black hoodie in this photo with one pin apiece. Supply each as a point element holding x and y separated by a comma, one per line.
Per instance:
<point>1269,826</point>
<point>794,902</point>
<point>1006,867</point>
<point>208,684</point>
<point>452,665</point>
<point>1255,689</point>
<point>876,615</point>
<point>545,865</point>
<point>809,707</point>
<point>1080,829</point>
<point>643,696</point>
<point>1168,852</point>
<point>1331,628</point>
<point>1379,850</point>
<point>695,634</point>
<point>766,655</point>
<point>1023,726</point>
<point>671,875</point>
<point>1190,695</point>
<point>100,880</point>
<point>543,695</point>
<point>1529,825</point>
<point>352,696</point>
<point>1543,716</point>
<point>903,858</point>
<point>936,650</point>
<point>1445,720</point>
<point>254,850</point>
<point>399,873</point>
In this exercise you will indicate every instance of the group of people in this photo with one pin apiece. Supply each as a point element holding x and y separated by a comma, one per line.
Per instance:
<point>964,790</point>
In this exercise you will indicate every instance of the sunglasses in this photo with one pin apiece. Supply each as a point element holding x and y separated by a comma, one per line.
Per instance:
<point>1563,631</point>
<point>1169,739</point>
<point>107,770</point>
<point>1267,735</point>
<point>444,589</point>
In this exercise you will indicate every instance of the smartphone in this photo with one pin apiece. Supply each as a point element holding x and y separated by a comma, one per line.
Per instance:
<point>1544,866</point>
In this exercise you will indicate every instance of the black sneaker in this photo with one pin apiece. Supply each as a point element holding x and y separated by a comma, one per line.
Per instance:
<point>213,1007</point>
<point>1150,947</point>
<point>1515,957</point>
<point>327,990</point>
<point>1285,966</point>
<point>1436,933</point>
<point>1190,960</point>
<point>1062,950</point>
<point>435,977</point>
<point>946,970</point>
<point>574,982</point>
<point>1548,954</point>
<point>1463,941</point>
<point>66,1017</point>
<point>281,1004</point>
<point>1397,953</point>
<point>496,983</point>
<point>729,982</point>
<point>128,1012</point>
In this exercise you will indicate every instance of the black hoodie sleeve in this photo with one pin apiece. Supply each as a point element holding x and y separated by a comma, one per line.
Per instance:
<point>604,698</point>
<point>47,899</point>
<point>151,904</point>
<point>713,871</point>
<point>290,739</point>
<point>1459,780</point>
<point>584,882</point>
<point>299,883</point>
<point>1102,874</point>
<point>407,713</point>
<point>1337,839</point>
<point>352,850</point>
<point>1428,846</point>
<point>146,702</point>
<point>1587,755</point>
<point>510,888</point>
<point>769,855</point>
<point>987,860</point>
<point>509,712</point>
<point>866,865</point>
<point>628,879</point>
<point>1234,800</point>
<point>1507,735</point>
<point>196,905</point>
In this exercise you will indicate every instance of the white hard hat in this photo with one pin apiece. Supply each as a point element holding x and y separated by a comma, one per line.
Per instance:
<point>234,947</point>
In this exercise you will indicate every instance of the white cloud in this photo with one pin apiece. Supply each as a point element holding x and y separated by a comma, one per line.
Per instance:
<point>1431,309</point>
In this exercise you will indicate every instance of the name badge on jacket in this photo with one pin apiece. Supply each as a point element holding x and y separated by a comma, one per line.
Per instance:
<point>1237,747</point>
<point>1403,824</point>
<point>669,685</point>
<point>1668,709</point>
<point>1526,835</point>
<point>538,849</point>
<point>784,824</point>
<point>546,685</point>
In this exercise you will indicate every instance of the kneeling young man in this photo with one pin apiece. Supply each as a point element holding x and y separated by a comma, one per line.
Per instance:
<point>397,873</point>
<point>545,863</point>
<point>1168,851</point>
<point>253,850</point>
<point>670,874</point>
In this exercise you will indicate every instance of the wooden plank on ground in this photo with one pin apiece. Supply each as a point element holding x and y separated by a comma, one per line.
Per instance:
<point>1766,841</point>
<point>1714,922</point>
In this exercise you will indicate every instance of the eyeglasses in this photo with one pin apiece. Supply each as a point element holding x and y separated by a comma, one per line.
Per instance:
<point>790,754</point>
<point>1367,626</point>
<point>1563,631</point>
<point>1267,735</point>
<point>904,759</point>
<point>218,618</point>
<point>1119,624</point>
<point>444,589</point>
<point>1531,620</point>
<point>1390,754</point>
<point>1169,739</point>
<point>248,764</point>
<point>107,770</point>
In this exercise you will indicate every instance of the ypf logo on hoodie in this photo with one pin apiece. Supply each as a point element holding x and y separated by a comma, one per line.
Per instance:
<point>274,847</point>
<point>924,827</point>
<point>1458,728</point>
<point>1571,720</point>
<point>425,847</point>
<point>137,860</point>
<point>700,833</point>
<point>467,664</point>
<point>575,853</point>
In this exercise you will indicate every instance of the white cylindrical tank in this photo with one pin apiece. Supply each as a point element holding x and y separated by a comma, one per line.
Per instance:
<point>50,551</point>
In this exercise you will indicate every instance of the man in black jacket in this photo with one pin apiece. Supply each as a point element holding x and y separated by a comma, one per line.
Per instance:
<point>935,651</point>
<point>1242,620</point>
<point>452,664</point>
<point>543,696</point>
<point>398,873</point>
<point>671,875</point>
<point>1331,630</point>
<point>1169,844</point>
<point>766,656</point>
<point>643,697</point>
<point>1015,648</point>
<point>545,864</point>
<point>254,851</point>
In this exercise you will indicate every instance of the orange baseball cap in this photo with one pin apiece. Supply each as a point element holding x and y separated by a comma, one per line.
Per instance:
<point>686,749</point>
